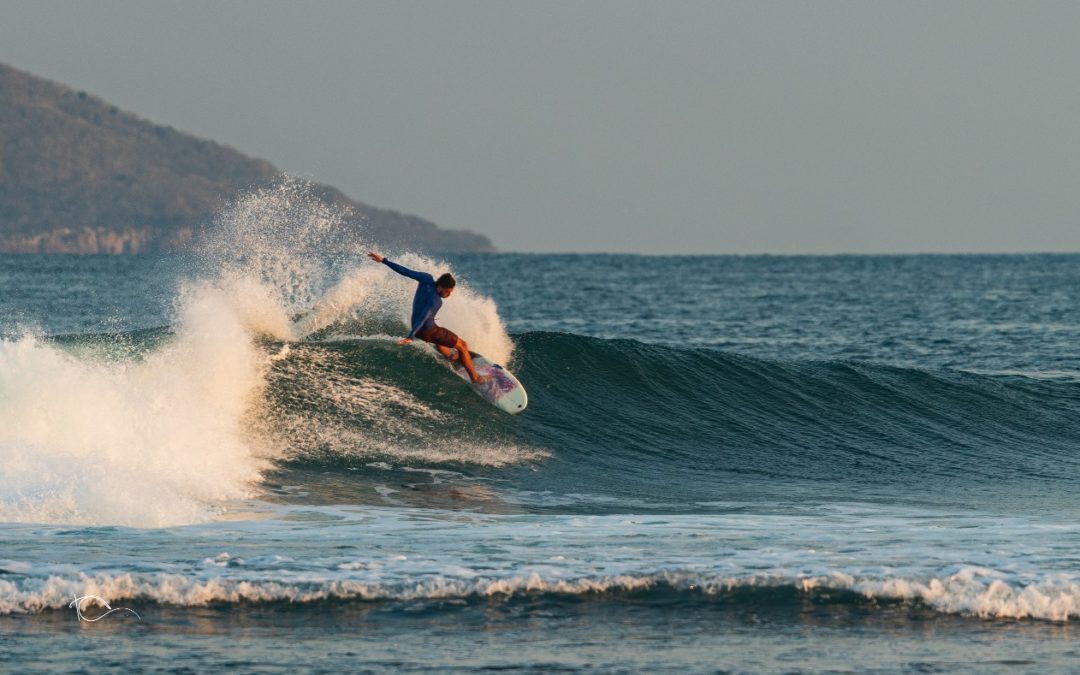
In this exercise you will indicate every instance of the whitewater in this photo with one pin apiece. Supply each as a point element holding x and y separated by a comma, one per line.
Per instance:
<point>125,430</point>
<point>737,461</point>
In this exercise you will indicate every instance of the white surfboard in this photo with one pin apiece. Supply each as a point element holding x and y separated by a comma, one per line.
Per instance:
<point>503,389</point>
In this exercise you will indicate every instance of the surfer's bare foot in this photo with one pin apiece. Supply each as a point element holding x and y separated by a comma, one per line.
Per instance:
<point>480,379</point>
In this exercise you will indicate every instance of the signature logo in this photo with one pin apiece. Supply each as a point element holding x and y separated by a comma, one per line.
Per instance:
<point>77,604</point>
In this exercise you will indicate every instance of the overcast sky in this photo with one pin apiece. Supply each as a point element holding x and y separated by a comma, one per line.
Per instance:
<point>674,127</point>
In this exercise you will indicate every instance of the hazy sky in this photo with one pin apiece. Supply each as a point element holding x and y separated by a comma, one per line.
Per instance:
<point>691,127</point>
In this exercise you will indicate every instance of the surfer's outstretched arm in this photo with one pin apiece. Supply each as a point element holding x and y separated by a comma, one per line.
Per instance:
<point>402,270</point>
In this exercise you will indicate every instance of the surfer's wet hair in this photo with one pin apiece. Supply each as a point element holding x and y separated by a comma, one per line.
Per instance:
<point>445,281</point>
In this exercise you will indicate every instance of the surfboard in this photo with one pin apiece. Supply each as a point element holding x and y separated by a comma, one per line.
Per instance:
<point>503,389</point>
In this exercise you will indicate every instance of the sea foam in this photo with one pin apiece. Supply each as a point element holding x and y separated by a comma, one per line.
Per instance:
<point>1047,600</point>
<point>148,442</point>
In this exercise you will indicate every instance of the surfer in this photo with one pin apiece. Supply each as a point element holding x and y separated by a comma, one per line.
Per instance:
<point>425,305</point>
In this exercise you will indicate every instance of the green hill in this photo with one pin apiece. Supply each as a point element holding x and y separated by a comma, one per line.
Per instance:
<point>77,175</point>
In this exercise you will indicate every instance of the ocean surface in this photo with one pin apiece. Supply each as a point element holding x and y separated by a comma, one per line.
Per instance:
<point>728,464</point>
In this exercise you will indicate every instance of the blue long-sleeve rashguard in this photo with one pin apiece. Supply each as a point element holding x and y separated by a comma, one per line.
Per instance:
<point>426,303</point>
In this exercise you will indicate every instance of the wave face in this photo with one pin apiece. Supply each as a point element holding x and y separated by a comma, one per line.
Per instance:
<point>694,424</point>
<point>625,425</point>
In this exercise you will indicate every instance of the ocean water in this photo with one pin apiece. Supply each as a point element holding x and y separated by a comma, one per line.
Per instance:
<point>728,464</point>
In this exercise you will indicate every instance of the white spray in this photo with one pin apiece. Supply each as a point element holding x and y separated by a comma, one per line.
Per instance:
<point>171,437</point>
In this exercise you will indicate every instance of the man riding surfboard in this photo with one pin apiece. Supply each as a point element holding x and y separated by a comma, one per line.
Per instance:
<point>426,304</point>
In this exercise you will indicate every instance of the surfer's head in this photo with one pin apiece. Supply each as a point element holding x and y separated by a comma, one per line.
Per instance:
<point>444,285</point>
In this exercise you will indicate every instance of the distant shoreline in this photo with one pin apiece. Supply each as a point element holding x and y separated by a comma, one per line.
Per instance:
<point>107,252</point>
<point>81,176</point>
